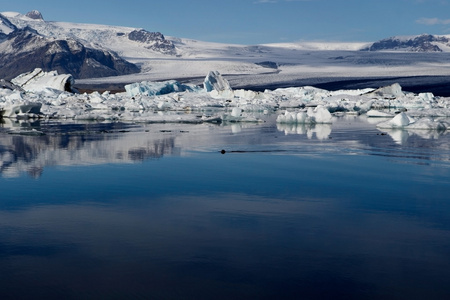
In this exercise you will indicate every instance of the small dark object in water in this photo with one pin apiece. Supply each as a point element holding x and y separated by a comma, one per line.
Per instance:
<point>223,151</point>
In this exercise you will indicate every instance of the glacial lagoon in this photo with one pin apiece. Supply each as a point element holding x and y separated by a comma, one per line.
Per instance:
<point>223,211</point>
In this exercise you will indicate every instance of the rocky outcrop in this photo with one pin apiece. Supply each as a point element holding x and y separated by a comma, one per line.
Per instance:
<point>154,40</point>
<point>35,15</point>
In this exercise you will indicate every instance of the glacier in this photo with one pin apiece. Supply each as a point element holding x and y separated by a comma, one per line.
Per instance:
<point>49,95</point>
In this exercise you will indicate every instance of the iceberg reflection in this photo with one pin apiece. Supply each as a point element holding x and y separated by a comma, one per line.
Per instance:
<point>28,147</point>
<point>321,131</point>
<point>401,136</point>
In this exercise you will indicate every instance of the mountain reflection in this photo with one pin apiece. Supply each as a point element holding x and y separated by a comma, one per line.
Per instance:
<point>30,147</point>
<point>30,154</point>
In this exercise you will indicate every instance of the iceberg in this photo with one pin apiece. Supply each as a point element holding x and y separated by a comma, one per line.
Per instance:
<point>38,80</point>
<point>399,121</point>
<point>147,88</point>
<point>215,82</point>
<point>392,91</point>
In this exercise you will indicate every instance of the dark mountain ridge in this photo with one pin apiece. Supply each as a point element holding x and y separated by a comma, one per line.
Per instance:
<point>26,50</point>
<point>421,43</point>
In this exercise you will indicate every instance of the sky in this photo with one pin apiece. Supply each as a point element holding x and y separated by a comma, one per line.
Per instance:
<point>255,21</point>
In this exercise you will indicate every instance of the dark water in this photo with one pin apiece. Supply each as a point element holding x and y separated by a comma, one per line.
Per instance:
<point>117,211</point>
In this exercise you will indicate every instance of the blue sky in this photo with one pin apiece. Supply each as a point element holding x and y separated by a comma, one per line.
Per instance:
<point>255,21</point>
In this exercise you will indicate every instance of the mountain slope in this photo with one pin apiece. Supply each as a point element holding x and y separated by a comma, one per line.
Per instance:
<point>24,49</point>
<point>6,27</point>
<point>126,41</point>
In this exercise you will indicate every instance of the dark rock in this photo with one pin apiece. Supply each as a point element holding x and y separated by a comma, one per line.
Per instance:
<point>155,40</point>
<point>268,64</point>
<point>34,14</point>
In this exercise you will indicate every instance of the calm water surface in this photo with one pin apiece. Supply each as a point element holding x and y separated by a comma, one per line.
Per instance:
<point>120,211</point>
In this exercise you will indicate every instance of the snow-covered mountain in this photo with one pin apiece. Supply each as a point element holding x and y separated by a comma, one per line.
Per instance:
<point>113,38</point>
<point>421,43</point>
<point>6,27</point>
<point>28,42</point>
<point>103,54</point>
<point>26,48</point>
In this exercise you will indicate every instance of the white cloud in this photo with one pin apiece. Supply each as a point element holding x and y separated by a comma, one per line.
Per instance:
<point>433,21</point>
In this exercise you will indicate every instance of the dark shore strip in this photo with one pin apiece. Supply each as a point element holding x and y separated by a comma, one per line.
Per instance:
<point>438,85</point>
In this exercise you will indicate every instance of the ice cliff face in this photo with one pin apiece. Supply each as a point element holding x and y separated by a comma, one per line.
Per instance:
<point>422,43</point>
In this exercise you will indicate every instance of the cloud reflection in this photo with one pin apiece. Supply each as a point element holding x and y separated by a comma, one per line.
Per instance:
<point>249,243</point>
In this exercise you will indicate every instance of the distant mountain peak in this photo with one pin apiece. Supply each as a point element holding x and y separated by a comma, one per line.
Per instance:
<point>420,43</point>
<point>35,15</point>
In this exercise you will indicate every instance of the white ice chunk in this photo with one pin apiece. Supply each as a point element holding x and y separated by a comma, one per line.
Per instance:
<point>399,121</point>
<point>215,81</point>
<point>390,91</point>
<point>38,80</point>
<point>321,115</point>
<point>14,110</point>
